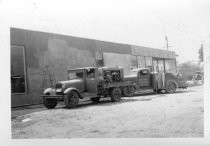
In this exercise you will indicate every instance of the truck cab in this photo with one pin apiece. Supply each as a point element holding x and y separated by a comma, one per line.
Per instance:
<point>85,80</point>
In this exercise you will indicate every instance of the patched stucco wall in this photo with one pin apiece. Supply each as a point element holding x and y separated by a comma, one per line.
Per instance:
<point>58,52</point>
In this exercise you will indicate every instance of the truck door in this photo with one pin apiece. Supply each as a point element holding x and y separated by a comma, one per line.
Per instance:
<point>91,81</point>
<point>144,79</point>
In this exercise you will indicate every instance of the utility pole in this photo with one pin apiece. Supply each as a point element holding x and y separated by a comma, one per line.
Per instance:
<point>167,43</point>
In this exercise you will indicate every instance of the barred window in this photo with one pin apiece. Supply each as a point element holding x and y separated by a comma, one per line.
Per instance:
<point>134,62</point>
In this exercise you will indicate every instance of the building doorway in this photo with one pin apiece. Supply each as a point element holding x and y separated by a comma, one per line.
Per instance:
<point>18,70</point>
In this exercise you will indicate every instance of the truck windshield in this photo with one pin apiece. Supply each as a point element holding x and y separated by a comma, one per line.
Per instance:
<point>75,75</point>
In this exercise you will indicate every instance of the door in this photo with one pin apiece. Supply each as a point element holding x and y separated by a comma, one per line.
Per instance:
<point>91,82</point>
<point>144,79</point>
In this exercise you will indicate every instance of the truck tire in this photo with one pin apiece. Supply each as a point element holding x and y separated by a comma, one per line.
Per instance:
<point>115,94</point>
<point>50,103</point>
<point>71,99</point>
<point>128,91</point>
<point>171,87</point>
<point>95,99</point>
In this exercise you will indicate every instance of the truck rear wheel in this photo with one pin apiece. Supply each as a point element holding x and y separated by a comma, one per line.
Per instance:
<point>115,94</point>
<point>71,99</point>
<point>171,87</point>
<point>50,103</point>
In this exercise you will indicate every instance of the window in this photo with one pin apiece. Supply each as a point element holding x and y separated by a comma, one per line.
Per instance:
<point>158,65</point>
<point>161,65</point>
<point>75,75</point>
<point>148,61</point>
<point>90,73</point>
<point>155,65</point>
<point>141,61</point>
<point>134,62</point>
<point>18,69</point>
<point>170,66</point>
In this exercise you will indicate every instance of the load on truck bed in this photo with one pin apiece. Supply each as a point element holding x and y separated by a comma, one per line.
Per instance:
<point>144,79</point>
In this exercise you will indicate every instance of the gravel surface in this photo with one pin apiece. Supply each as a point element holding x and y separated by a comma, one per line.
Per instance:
<point>143,116</point>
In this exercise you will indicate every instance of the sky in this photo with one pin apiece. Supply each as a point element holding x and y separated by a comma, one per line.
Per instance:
<point>142,23</point>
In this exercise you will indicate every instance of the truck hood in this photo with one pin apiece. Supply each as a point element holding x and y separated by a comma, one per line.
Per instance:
<point>130,78</point>
<point>68,83</point>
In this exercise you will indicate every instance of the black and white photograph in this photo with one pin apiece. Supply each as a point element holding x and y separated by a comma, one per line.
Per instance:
<point>105,72</point>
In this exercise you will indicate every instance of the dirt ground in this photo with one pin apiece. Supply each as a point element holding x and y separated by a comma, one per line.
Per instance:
<point>143,116</point>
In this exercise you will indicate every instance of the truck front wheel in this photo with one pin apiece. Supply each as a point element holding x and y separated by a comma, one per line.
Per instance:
<point>115,94</point>
<point>171,87</point>
<point>50,103</point>
<point>71,99</point>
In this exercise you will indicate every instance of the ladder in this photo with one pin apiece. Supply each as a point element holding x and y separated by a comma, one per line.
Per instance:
<point>48,75</point>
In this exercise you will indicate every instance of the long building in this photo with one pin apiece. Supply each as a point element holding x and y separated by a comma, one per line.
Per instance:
<point>39,59</point>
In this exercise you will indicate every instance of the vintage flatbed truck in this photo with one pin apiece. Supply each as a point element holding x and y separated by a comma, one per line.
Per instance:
<point>87,83</point>
<point>143,78</point>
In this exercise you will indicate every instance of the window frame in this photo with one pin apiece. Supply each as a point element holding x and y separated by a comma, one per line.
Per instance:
<point>25,69</point>
<point>157,60</point>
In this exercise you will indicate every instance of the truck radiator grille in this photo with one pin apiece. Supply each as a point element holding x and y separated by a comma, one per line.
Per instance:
<point>58,85</point>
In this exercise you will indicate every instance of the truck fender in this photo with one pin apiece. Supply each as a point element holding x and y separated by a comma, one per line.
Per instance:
<point>48,90</point>
<point>167,82</point>
<point>72,89</point>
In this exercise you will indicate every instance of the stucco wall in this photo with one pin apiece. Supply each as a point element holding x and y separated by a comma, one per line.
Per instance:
<point>145,51</point>
<point>42,49</point>
<point>60,53</point>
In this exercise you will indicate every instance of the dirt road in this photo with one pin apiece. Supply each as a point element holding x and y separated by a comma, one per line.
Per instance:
<point>161,115</point>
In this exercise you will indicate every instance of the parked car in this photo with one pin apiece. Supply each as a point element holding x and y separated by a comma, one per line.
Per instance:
<point>198,76</point>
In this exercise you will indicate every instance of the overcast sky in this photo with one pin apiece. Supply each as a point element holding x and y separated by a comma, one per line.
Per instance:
<point>142,22</point>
